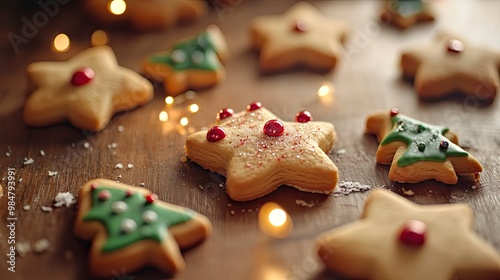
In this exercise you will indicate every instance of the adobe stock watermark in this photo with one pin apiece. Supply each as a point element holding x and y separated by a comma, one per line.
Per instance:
<point>11,219</point>
<point>31,27</point>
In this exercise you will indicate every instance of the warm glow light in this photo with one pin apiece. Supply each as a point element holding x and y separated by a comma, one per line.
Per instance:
<point>117,7</point>
<point>163,116</point>
<point>277,217</point>
<point>184,121</point>
<point>99,38</point>
<point>324,90</point>
<point>61,43</point>
<point>169,100</point>
<point>274,221</point>
<point>193,108</point>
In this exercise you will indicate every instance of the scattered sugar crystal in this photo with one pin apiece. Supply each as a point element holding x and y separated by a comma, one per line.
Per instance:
<point>130,165</point>
<point>301,202</point>
<point>119,166</point>
<point>142,184</point>
<point>7,154</point>
<point>113,146</point>
<point>86,145</point>
<point>52,173</point>
<point>20,180</point>
<point>26,207</point>
<point>42,152</point>
<point>120,128</point>
<point>183,159</point>
<point>23,248</point>
<point>41,245</point>
<point>408,192</point>
<point>229,204</point>
<point>232,212</point>
<point>46,209</point>
<point>120,176</point>
<point>28,161</point>
<point>64,199</point>
<point>347,187</point>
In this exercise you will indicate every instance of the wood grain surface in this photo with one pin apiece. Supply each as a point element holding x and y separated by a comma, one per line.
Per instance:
<point>366,79</point>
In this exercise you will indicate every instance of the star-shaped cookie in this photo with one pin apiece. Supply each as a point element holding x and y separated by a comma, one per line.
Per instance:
<point>257,152</point>
<point>147,14</point>
<point>130,228</point>
<point>397,239</point>
<point>418,151</point>
<point>405,13</point>
<point>192,64</point>
<point>300,37</point>
<point>86,90</point>
<point>450,65</point>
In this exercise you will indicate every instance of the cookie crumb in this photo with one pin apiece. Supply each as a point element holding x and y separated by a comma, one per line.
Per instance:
<point>52,173</point>
<point>119,166</point>
<point>120,176</point>
<point>347,187</point>
<point>341,153</point>
<point>64,199</point>
<point>301,202</point>
<point>46,209</point>
<point>473,187</point>
<point>221,185</point>
<point>408,192</point>
<point>86,145</point>
<point>23,248</point>
<point>28,161</point>
<point>41,245</point>
<point>113,146</point>
<point>120,128</point>
<point>130,166</point>
<point>142,184</point>
<point>42,153</point>
<point>20,180</point>
<point>26,207</point>
<point>184,159</point>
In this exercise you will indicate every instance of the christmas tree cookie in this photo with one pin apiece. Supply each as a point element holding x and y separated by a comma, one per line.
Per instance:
<point>192,64</point>
<point>405,13</point>
<point>418,151</point>
<point>257,152</point>
<point>131,228</point>
<point>397,239</point>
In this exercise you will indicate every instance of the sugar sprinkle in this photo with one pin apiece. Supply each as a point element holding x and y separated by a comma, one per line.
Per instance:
<point>64,199</point>
<point>347,187</point>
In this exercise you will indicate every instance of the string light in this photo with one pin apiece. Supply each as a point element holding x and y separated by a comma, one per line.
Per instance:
<point>184,121</point>
<point>193,108</point>
<point>277,217</point>
<point>274,221</point>
<point>169,100</point>
<point>61,43</point>
<point>99,38</point>
<point>117,7</point>
<point>325,90</point>
<point>163,116</point>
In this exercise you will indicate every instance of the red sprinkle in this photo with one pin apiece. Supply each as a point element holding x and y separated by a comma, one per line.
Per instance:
<point>394,111</point>
<point>225,113</point>
<point>413,233</point>
<point>150,198</point>
<point>274,128</point>
<point>104,195</point>
<point>93,186</point>
<point>303,117</point>
<point>82,76</point>
<point>254,106</point>
<point>215,133</point>
<point>300,26</point>
<point>455,46</point>
<point>129,193</point>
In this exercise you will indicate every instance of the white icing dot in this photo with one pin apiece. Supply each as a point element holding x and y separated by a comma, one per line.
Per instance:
<point>179,56</point>
<point>119,207</point>
<point>149,216</point>
<point>128,225</point>
<point>197,57</point>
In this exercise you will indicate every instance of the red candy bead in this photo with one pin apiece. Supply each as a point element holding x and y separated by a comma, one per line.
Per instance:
<point>300,26</point>
<point>274,128</point>
<point>82,76</point>
<point>413,233</point>
<point>455,46</point>
<point>150,198</point>
<point>225,113</point>
<point>303,117</point>
<point>254,106</point>
<point>215,133</point>
<point>104,195</point>
<point>93,186</point>
<point>394,111</point>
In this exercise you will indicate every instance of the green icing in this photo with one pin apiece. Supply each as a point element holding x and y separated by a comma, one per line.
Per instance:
<point>406,8</point>
<point>423,141</point>
<point>102,212</point>
<point>197,53</point>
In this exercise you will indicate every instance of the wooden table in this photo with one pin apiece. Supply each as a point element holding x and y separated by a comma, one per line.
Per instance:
<point>367,79</point>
